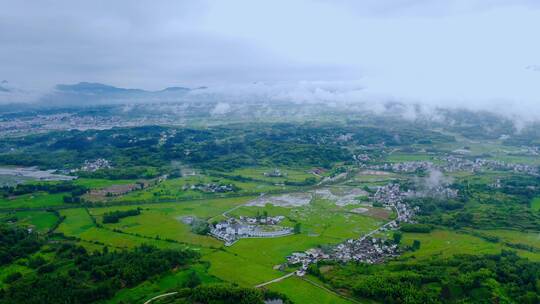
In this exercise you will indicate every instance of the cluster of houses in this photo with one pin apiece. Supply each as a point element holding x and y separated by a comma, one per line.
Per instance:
<point>92,166</point>
<point>452,163</point>
<point>304,259</point>
<point>366,250</point>
<point>392,197</point>
<point>405,167</point>
<point>361,158</point>
<point>275,173</point>
<point>231,230</point>
<point>262,220</point>
<point>210,187</point>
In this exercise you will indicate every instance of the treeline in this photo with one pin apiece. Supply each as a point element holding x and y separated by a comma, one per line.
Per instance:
<point>225,294</point>
<point>52,188</point>
<point>115,216</point>
<point>499,278</point>
<point>75,276</point>
<point>16,242</point>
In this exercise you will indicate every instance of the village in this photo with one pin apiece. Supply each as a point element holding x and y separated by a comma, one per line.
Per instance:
<point>210,187</point>
<point>453,163</point>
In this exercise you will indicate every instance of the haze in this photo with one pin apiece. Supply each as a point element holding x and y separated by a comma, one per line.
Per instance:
<point>479,54</point>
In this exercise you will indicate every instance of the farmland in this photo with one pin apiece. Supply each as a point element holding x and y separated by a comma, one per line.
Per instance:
<point>480,208</point>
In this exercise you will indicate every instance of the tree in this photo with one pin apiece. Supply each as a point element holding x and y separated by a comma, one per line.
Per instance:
<point>416,245</point>
<point>397,237</point>
<point>193,280</point>
<point>297,228</point>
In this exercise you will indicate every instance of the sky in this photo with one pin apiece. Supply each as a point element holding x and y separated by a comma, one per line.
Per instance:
<point>478,53</point>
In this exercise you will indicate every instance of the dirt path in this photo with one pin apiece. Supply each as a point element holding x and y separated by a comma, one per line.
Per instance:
<point>330,290</point>
<point>275,280</point>
<point>160,296</point>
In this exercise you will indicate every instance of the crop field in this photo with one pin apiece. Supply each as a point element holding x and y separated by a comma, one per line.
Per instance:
<point>78,223</point>
<point>519,237</point>
<point>231,267</point>
<point>34,200</point>
<point>165,220</point>
<point>180,189</point>
<point>301,291</point>
<point>96,183</point>
<point>447,243</point>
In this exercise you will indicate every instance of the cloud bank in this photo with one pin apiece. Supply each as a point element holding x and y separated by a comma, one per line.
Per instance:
<point>479,54</point>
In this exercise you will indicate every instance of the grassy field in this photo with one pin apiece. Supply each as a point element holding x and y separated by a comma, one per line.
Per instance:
<point>165,220</point>
<point>447,243</point>
<point>514,236</point>
<point>41,221</point>
<point>179,189</point>
<point>96,183</point>
<point>35,200</point>
<point>300,291</point>
<point>231,267</point>
<point>78,223</point>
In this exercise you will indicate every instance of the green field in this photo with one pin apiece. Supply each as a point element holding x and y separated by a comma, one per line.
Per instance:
<point>96,183</point>
<point>447,243</point>
<point>173,189</point>
<point>34,200</point>
<point>165,220</point>
<point>78,223</point>
<point>301,291</point>
<point>41,221</point>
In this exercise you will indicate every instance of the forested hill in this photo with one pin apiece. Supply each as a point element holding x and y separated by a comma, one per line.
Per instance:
<point>223,147</point>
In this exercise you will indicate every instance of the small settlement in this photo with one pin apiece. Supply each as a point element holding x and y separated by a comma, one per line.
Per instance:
<point>231,230</point>
<point>366,249</point>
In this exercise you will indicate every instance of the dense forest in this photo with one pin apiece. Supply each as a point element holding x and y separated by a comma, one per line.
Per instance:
<point>224,294</point>
<point>16,243</point>
<point>500,278</point>
<point>76,276</point>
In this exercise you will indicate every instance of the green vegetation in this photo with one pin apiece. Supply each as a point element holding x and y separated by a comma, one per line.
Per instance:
<point>91,277</point>
<point>150,240</point>
<point>224,293</point>
<point>115,216</point>
<point>535,204</point>
<point>16,243</point>
<point>500,278</point>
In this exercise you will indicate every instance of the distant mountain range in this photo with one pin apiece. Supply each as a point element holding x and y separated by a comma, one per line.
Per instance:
<point>88,93</point>
<point>99,88</point>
